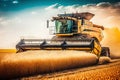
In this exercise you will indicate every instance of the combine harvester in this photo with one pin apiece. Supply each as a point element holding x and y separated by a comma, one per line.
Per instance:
<point>76,44</point>
<point>72,32</point>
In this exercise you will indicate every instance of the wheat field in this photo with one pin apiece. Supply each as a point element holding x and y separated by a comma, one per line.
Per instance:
<point>7,50</point>
<point>107,73</point>
<point>38,62</point>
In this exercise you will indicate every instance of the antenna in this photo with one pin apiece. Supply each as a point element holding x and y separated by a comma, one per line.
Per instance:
<point>65,12</point>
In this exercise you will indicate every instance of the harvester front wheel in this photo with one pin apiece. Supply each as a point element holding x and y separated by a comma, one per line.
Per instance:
<point>105,51</point>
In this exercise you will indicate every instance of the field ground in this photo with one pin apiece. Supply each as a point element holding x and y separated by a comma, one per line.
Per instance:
<point>110,71</point>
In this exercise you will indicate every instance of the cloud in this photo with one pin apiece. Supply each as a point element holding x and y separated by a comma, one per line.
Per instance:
<point>104,4</point>
<point>25,24</point>
<point>33,12</point>
<point>101,5</point>
<point>15,2</point>
<point>107,5</point>
<point>0,19</point>
<point>54,6</point>
<point>106,14</point>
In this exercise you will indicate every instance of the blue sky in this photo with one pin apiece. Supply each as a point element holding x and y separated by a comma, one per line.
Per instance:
<point>16,5</point>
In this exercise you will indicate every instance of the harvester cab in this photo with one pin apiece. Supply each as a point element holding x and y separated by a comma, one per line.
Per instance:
<point>72,31</point>
<point>70,24</point>
<point>73,24</point>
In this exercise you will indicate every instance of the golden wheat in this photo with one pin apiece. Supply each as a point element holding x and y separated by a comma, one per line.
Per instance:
<point>7,50</point>
<point>36,62</point>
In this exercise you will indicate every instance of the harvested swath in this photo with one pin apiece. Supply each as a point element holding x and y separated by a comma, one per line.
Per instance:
<point>37,62</point>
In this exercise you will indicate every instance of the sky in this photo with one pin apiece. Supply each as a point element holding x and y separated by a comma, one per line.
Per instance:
<point>17,5</point>
<point>27,18</point>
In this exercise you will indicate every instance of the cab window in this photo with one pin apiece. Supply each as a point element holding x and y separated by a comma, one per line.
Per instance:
<point>63,26</point>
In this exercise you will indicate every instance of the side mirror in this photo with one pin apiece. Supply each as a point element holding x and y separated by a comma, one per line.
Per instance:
<point>47,23</point>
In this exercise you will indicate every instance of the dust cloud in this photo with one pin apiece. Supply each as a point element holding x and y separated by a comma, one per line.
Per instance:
<point>112,40</point>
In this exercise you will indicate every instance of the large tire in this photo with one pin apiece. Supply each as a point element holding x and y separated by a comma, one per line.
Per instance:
<point>105,51</point>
